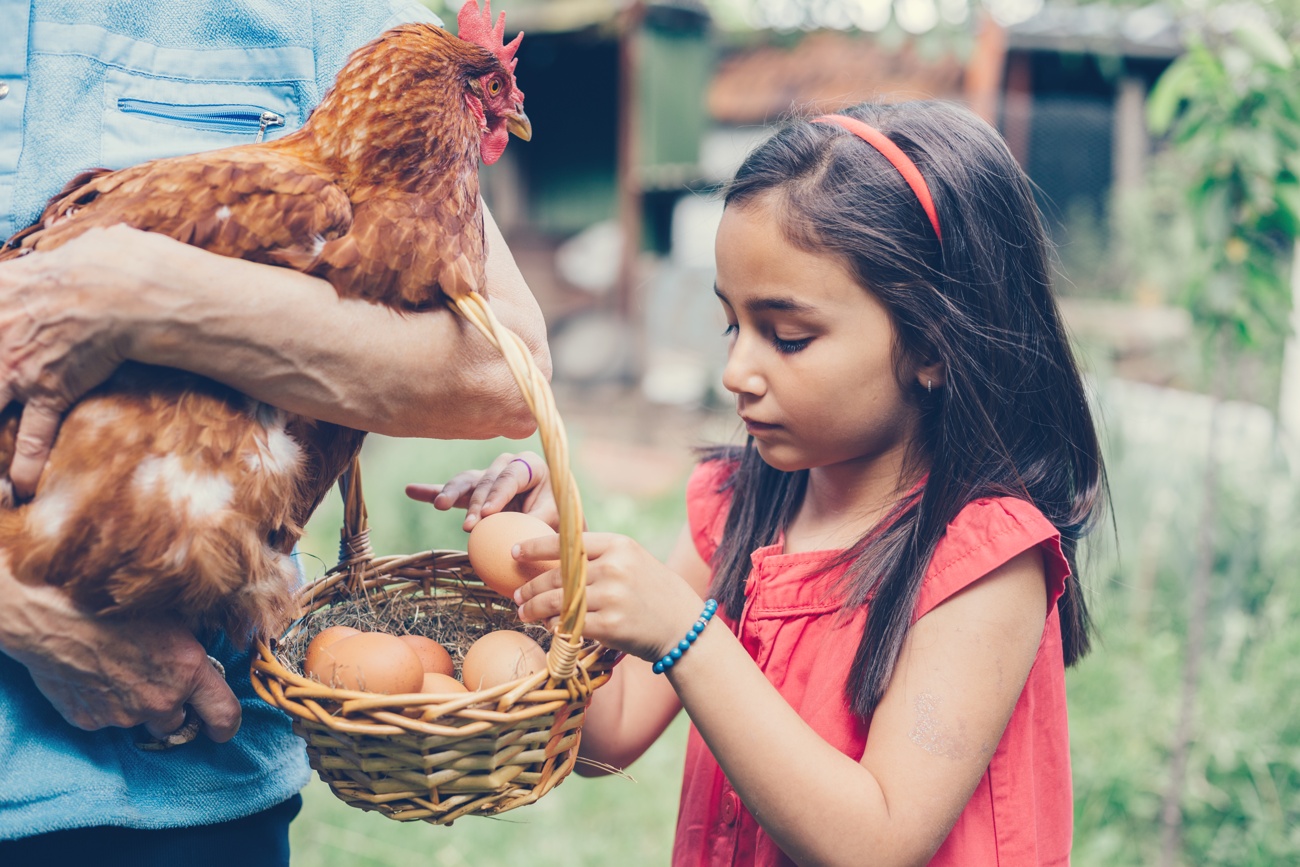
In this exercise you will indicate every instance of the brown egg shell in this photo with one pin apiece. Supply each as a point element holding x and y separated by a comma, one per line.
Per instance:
<point>490,545</point>
<point>434,658</point>
<point>313,659</point>
<point>501,657</point>
<point>370,662</point>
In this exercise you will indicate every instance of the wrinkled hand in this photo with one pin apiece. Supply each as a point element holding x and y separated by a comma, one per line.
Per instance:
<point>634,603</point>
<point>99,673</point>
<point>512,482</point>
<point>57,340</point>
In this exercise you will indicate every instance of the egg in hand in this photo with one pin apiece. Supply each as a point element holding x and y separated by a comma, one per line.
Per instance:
<point>489,548</point>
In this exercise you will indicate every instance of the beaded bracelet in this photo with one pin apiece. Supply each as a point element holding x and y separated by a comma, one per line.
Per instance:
<point>670,658</point>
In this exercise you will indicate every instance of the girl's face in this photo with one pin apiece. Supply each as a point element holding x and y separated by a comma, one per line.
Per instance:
<point>812,353</point>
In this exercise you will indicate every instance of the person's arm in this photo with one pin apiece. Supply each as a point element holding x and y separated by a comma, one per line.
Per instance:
<point>955,685</point>
<point>70,316</point>
<point>631,711</point>
<point>628,714</point>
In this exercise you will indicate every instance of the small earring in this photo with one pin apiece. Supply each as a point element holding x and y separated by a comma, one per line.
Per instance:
<point>929,386</point>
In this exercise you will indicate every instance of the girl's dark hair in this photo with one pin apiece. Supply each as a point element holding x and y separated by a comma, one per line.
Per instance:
<point>1011,417</point>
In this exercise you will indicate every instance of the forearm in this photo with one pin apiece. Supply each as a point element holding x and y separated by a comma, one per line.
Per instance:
<point>626,716</point>
<point>819,805</point>
<point>288,339</point>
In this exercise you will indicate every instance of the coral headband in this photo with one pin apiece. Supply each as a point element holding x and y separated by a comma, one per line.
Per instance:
<point>895,155</point>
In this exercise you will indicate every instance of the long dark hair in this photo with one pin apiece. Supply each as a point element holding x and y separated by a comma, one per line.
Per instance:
<point>1011,417</point>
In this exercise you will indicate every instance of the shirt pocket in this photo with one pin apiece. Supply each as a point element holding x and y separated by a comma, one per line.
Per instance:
<point>149,118</point>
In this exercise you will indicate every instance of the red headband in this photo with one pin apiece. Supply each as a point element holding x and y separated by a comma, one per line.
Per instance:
<point>895,155</point>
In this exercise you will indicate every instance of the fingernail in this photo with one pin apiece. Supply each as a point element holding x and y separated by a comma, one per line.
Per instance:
<point>518,597</point>
<point>514,552</point>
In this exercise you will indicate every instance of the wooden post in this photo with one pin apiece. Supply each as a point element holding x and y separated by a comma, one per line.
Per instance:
<point>982,83</point>
<point>1019,106</point>
<point>629,181</point>
<point>1131,141</point>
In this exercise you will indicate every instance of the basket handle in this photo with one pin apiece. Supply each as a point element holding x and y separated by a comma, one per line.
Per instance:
<point>354,539</point>
<point>355,552</point>
<point>567,641</point>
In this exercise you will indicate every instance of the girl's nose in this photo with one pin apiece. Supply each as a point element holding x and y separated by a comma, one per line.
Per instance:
<point>741,375</point>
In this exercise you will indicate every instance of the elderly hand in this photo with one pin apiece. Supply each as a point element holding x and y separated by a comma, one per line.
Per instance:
<point>59,335</point>
<point>99,672</point>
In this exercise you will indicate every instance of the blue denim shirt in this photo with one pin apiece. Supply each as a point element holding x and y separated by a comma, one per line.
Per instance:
<point>112,84</point>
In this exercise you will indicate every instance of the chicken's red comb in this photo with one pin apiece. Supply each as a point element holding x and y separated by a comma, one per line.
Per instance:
<point>477,28</point>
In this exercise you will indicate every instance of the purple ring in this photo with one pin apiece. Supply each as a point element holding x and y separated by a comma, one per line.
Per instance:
<point>527,465</point>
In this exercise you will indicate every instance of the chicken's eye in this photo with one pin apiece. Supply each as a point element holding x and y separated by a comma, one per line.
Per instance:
<point>494,86</point>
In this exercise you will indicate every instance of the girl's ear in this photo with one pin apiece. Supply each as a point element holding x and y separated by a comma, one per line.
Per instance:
<point>932,375</point>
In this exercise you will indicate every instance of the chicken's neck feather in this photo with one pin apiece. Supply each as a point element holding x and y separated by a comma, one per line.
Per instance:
<point>396,116</point>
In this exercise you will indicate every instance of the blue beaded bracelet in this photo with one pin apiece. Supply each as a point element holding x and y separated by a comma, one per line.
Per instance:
<point>670,658</point>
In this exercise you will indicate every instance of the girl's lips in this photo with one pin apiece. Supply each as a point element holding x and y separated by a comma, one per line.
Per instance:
<point>757,426</point>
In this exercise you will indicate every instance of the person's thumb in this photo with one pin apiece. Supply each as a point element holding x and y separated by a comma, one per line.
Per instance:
<point>36,432</point>
<point>215,704</point>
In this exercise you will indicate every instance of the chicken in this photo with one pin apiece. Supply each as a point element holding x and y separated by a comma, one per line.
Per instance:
<point>168,492</point>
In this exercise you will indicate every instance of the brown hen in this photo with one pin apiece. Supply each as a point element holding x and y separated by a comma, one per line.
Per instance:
<point>166,491</point>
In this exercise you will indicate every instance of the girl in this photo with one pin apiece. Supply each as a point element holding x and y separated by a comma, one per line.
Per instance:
<point>892,550</point>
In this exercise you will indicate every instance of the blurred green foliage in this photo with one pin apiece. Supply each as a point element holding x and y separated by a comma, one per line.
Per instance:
<point>1242,803</point>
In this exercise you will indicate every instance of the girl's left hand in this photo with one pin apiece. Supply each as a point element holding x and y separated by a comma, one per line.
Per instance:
<point>634,603</point>
<point>513,482</point>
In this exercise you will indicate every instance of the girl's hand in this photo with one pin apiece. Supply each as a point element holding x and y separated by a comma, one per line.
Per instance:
<point>634,603</point>
<point>513,482</point>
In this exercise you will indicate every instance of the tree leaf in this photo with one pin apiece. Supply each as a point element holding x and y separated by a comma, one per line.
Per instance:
<point>1264,44</point>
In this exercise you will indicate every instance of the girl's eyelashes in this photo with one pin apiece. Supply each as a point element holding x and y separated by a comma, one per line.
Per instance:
<point>789,347</point>
<point>786,347</point>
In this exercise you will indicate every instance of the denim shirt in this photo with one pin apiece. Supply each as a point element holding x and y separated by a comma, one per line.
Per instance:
<point>112,84</point>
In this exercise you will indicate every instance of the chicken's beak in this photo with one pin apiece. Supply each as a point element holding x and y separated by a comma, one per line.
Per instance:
<point>517,122</point>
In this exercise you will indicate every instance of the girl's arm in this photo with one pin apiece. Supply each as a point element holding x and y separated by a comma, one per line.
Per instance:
<point>629,713</point>
<point>958,678</point>
<point>632,710</point>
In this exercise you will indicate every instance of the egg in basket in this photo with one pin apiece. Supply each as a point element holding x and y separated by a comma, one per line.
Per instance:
<point>478,749</point>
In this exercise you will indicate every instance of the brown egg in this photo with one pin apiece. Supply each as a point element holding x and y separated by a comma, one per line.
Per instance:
<point>441,684</point>
<point>434,658</point>
<point>313,659</point>
<point>500,657</point>
<point>370,662</point>
<point>489,546</point>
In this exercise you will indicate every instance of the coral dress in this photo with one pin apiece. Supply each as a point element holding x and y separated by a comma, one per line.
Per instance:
<point>1022,809</point>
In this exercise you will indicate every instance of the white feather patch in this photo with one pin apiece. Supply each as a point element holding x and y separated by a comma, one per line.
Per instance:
<point>198,494</point>
<point>51,510</point>
<point>223,213</point>
<point>279,453</point>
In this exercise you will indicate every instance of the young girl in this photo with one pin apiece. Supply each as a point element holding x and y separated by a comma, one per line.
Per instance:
<point>892,550</point>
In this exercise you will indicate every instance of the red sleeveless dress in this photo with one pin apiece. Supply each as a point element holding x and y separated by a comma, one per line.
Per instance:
<point>1022,809</point>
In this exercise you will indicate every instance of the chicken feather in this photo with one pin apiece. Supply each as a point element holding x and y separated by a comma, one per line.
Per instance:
<point>168,492</point>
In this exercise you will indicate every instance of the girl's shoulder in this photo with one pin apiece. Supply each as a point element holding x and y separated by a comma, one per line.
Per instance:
<point>984,535</point>
<point>708,499</point>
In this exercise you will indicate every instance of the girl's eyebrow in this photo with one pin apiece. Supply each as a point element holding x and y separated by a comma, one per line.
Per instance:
<point>759,305</point>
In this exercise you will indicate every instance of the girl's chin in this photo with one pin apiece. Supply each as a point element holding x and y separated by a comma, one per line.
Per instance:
<point>779,458</point>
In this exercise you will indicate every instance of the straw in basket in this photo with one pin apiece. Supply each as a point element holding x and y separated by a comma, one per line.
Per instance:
<point>439,757</point>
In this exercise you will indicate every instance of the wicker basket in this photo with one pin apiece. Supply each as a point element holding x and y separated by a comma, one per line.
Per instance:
<point>437,758</point>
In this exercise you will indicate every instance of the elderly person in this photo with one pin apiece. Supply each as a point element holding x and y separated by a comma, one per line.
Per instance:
<point>72,687</point>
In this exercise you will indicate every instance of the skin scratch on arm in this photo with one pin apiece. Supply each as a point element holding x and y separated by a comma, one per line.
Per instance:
<point>931,735</point>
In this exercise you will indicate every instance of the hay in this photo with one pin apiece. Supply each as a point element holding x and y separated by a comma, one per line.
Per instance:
<point>452,621</point>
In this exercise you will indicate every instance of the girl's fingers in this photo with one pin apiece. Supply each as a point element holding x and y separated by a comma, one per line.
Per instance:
<point>504,485</point>
<point>547,582</point>
<point>423,493</point>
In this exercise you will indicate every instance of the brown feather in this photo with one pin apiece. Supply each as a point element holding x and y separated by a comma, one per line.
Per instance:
<point>169,492</point>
